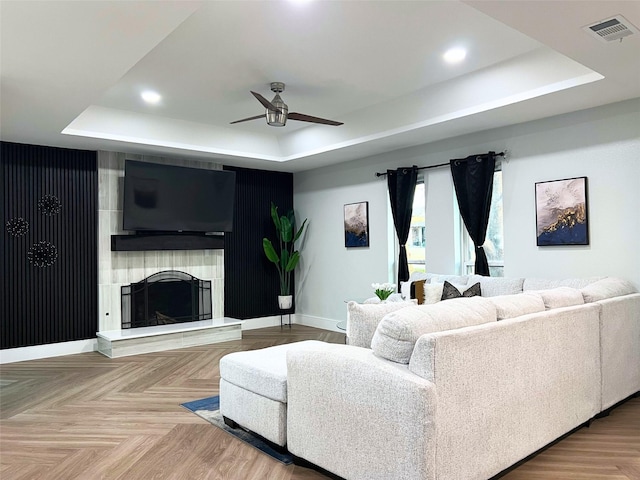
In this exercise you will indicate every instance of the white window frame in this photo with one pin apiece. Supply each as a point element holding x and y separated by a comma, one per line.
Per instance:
<point>419,181</point>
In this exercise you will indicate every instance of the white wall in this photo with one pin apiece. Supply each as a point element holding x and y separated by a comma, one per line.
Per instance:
<point>602,144</point>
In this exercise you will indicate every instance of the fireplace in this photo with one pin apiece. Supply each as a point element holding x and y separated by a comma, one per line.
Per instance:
<point>165,298</point>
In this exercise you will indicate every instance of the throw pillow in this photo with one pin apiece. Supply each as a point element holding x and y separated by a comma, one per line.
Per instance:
<point>449,291</point>
<point>417,290</point>
<point>432,293</point>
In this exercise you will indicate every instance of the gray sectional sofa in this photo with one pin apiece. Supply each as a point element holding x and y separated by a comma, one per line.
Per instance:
<point>463,389</point>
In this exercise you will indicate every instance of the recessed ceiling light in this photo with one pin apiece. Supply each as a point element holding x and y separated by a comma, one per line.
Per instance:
<point>455,55</point>
<point>150,96</point>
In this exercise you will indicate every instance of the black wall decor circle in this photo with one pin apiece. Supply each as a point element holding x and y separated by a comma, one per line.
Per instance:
<point>42,254</point>
<point>17,227</point>
<point>49,205</point>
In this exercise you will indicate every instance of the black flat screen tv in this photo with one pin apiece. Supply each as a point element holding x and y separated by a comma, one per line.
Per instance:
<point>170,199</point>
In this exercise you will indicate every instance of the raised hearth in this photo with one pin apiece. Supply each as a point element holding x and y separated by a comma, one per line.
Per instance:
<point>121,343</point>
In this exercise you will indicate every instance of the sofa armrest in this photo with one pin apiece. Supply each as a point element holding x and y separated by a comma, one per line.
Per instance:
<point>620,347</point>
<point>359,416</point>
<point>507,388</point>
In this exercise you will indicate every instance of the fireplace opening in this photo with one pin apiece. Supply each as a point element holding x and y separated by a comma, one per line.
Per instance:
<point>165,298</point>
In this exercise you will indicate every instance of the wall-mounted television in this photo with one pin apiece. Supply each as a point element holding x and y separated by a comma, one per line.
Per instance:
<point>172,199</point>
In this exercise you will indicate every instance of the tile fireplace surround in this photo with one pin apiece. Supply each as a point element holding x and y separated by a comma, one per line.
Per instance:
<point>119,268</point>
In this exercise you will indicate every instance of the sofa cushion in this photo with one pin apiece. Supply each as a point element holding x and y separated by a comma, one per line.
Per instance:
<point>263,371</point>
<point>450,291</point>
<point>512,306</point>
<point>398,331</point>
<point>561,297</point>
<point>608,287</point>
<point>364,319</point>
<point>545,283</point>
<point>494,286</point>
<point>457,279</point>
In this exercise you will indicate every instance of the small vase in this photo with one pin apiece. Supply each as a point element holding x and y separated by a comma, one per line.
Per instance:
<point>285,301</point>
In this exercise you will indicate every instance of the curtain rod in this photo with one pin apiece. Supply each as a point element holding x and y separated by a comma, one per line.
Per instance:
<point>501,154</point>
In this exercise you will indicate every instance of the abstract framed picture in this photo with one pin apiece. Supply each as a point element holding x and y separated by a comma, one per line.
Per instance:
<point>356,224</point>
<point>562,213</point>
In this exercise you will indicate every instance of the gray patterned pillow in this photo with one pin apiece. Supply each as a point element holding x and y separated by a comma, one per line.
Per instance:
<point>449,291</point>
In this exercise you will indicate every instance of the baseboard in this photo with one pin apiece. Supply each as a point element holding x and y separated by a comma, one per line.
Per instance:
<point>319,322</point>
<point>21,354</point>
<point>264,322</point>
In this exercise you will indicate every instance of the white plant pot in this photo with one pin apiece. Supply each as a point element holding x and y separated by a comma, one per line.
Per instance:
<point>285,301</point>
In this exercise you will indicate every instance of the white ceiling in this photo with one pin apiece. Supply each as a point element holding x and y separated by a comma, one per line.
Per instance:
<point>72,73</point>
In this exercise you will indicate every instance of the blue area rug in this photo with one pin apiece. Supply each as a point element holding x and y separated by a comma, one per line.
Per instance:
<point>209,409</point>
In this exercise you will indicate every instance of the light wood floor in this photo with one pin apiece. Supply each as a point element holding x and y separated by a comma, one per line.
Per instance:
<point>89,417</point>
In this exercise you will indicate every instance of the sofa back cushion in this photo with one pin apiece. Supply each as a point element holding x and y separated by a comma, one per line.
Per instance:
<point>607,287</point>
<point>398,331</point>
<point>494,286</point>
<point>512,306</point>
<point>561,297</point>
<point>545,283</point>
<point>363,320</point>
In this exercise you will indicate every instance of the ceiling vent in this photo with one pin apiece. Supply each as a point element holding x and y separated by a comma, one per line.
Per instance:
<point>611,29</point>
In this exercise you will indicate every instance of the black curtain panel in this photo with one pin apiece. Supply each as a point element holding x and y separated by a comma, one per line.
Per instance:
<point>402,185</point>
<point>473,181</point>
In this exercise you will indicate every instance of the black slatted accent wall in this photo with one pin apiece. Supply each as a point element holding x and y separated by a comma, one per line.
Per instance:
<point>49,272</point>
<point>251,285</point>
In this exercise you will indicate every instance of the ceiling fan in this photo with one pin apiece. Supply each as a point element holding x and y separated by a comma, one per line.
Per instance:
<point>278,112</point>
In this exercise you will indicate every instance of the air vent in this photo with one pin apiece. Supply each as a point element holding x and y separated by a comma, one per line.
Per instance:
<point>611,29</point>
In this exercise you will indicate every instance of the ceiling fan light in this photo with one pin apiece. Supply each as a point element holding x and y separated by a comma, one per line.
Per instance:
<point>277,118</point>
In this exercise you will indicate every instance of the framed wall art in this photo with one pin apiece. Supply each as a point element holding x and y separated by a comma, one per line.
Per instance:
<point>356,224</point>
<point>562,213</point>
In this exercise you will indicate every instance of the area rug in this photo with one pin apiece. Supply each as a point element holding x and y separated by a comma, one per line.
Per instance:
<point>209,409</point>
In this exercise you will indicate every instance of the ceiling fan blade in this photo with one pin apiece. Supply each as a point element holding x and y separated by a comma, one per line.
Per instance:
<point>308,118</point>
<point>247,119</point>
<point>265,103</point>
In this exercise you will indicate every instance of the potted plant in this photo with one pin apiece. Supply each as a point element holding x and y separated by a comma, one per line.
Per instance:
<point>286,257</point>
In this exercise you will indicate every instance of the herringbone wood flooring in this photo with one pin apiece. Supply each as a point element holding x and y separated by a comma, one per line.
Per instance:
<point>89,417</point>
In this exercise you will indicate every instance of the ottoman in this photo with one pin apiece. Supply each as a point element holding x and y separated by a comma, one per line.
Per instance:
<point>253,389</point>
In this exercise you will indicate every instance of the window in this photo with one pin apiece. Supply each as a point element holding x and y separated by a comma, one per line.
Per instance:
<point>494,242</point>
<point>416,242</point>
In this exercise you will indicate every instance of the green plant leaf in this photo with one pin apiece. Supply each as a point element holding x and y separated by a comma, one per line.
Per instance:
<point>286,231</point>
<point>269,251</point>
<point>299,232</point>
<point>284,259</point>
<point>293,261</point>
<point>292,219</point>
<point>275,217</point>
